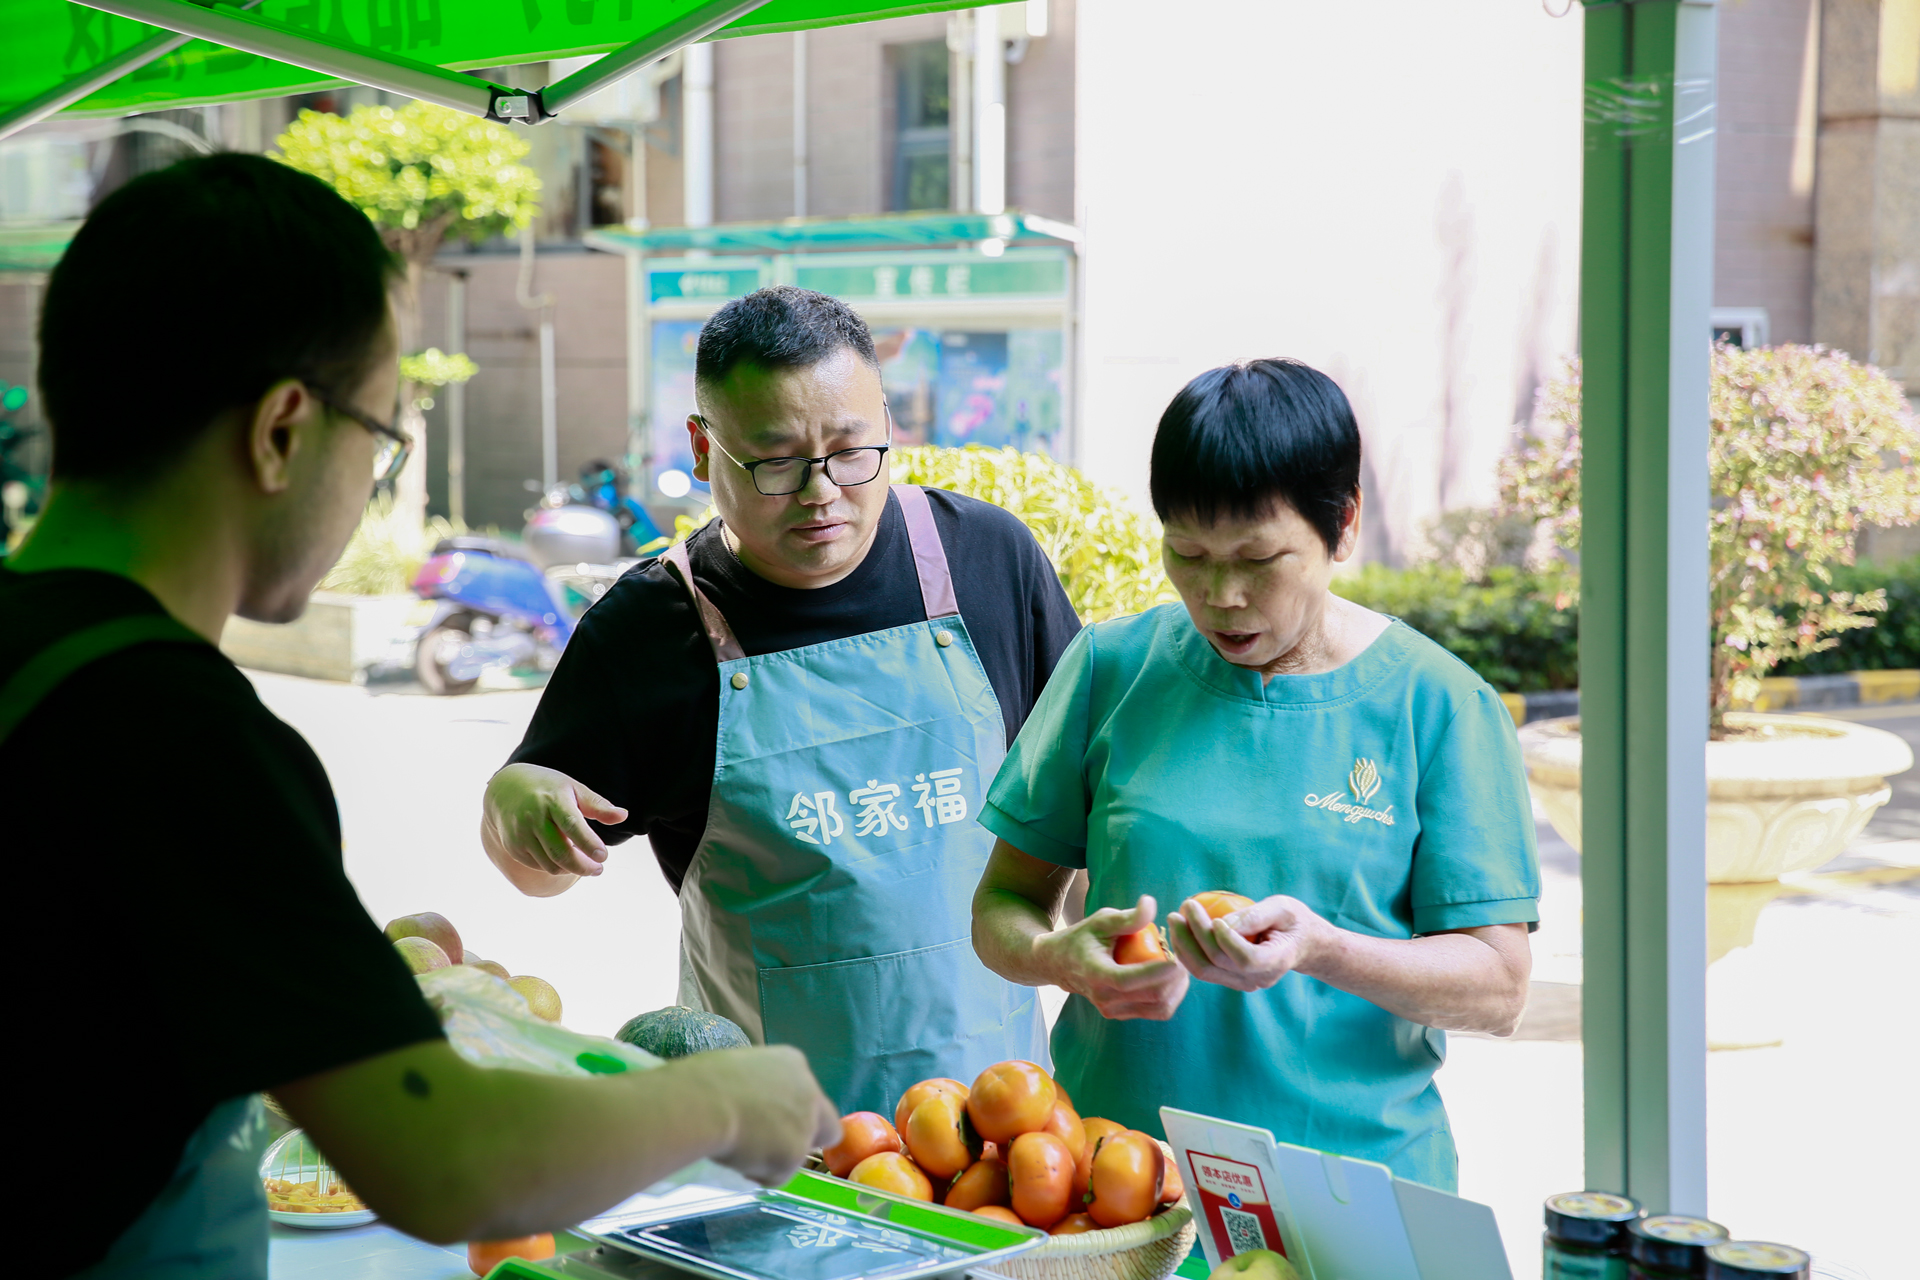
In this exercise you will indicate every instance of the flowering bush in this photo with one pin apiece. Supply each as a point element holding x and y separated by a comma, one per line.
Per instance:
<point>1807,446</point>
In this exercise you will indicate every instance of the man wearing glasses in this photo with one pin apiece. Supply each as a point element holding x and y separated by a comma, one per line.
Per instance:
<point>801,708</point>
<point>219,363</point>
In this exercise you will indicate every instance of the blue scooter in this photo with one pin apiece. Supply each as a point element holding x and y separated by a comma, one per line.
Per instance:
<point>495,608</point>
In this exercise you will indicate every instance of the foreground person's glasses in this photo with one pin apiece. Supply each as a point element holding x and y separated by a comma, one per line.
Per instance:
<point>777,477</point>
<point>395,446</point>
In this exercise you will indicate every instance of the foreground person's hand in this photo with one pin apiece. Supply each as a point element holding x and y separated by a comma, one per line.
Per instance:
<point>1250,949</point>
<point>778,1112</point>
<point>537,818</point>
<point>1080,959</point>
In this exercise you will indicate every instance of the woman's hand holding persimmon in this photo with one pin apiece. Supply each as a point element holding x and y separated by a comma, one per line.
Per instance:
<point>1080,958</point>
<point>1252,948</point>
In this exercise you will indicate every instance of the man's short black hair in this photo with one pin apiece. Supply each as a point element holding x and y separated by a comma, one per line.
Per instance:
<point>779,327</point>
<point>191,291</point>
<point>1241,436</point>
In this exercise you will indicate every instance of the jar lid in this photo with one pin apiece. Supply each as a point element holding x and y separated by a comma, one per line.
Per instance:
<point>1739,1259</point>
<point>1673,1241</point>
<point>1590,1217</point>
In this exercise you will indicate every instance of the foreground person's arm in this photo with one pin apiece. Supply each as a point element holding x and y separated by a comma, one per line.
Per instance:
<point>534,828</point>
<point>448,1151</point>
<point>1457,979</point>
<point>1014,909</point>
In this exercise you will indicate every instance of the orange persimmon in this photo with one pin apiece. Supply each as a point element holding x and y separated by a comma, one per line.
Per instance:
<point>939,1138</point>
<point>999,1213</point>
<point>983,1182</point>
<point>1072,1225</point>
<point>1096,1130</point>
<point>919,1093</point>
<point>892,1171</point>
<point>484,1255</point>
<point>862,1134</point>
<point>1128,1174</point>
<point>1009,1099</point>
<point>1143,947</point>
<point>1064,1124</point>
<point>1041,1170</point>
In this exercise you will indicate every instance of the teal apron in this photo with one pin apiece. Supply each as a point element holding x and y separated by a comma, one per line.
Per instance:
<point>211,1217</point>
<point>829,905</point>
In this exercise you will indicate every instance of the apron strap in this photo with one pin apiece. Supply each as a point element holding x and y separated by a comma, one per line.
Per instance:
<point>41,674</point>
<point>725,647</point>
<point>929,556</point>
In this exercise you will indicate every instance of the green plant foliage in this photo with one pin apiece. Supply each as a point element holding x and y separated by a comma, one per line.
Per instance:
<point>435,368</point>
<point>1518,630</point>
<point>420,172</point>
<point>1891,644</point>
<point>386,551</point>
<point>1807,447</point>
<point>1104,546</point>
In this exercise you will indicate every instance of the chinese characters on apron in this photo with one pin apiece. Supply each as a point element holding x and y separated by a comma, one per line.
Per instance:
<point>829,904</point>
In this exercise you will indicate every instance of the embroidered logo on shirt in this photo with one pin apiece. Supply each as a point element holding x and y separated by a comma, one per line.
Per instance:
<point>1362,783</point>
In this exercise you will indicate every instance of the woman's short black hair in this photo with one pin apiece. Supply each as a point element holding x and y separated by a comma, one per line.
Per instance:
<point>779,327</point>
<point>1240,437</point>
<point>191,291</point>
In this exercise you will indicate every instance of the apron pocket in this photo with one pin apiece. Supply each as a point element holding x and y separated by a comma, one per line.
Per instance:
<point>873,1026</point>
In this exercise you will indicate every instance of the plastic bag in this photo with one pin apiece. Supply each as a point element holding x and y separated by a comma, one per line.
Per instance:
<point>490,1025</point>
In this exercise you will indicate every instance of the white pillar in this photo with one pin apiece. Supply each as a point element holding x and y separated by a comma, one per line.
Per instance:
<point>960,113</point>
<point>696,139</point>
<point>989,114</point>
<point>457,401</point>
<point>800,158</point>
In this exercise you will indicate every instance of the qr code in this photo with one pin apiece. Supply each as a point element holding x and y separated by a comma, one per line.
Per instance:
<point>1243,1230</point>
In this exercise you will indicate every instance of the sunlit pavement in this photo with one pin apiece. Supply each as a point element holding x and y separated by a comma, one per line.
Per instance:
<point>1811,1141</point>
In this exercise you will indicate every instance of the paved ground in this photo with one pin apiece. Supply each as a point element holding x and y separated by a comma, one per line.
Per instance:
<point>1809,1139</point>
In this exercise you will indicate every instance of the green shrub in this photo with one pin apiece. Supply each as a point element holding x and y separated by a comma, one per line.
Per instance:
<point>1518,630</point>
<point>386,551</point>
<point>1894,641</point>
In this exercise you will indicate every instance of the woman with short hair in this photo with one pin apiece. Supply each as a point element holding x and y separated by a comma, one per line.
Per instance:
<point>1266,737</point>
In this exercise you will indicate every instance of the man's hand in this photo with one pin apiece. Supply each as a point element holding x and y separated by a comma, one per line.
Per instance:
<point>536,821</point>
<point>1079,958</point>
<point>1250,949</point>
<point>779,1113</point>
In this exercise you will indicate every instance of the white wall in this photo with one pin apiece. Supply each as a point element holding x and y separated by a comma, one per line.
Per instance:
<point>1389,191</point>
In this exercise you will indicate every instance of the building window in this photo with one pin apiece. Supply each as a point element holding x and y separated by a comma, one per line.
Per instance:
<point>922,134</point>
<point>1741,326</point>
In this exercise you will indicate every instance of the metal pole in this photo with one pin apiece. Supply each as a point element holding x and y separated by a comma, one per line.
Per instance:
<point>639,428</point>
<point>696,149</point>
<point>549,405</point>
<point>990,114</point>
<point>960,105</point>
<point>800,158</point>
<point>1647,255</point>
<point>270,39</point>
<point>457,401</point>
<point>627,59</point>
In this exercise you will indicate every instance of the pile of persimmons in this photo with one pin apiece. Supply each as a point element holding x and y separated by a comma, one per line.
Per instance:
<point>1011,1147</point>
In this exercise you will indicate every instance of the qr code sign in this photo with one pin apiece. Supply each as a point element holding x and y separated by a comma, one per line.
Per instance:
<point>1243,1230</point>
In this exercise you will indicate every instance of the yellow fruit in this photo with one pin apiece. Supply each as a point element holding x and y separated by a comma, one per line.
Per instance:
<point>432,926</point>
<point>541,997</point>
<point>421,956</point>
<point>493,967</point>
<point>1255,1264</point>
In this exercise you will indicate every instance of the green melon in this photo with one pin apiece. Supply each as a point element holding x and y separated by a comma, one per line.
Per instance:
<point>676,1031</point>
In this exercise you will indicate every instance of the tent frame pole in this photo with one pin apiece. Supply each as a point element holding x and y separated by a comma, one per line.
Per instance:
<point>1646,286</point>
<point>270,39</point>
<point>36,109</point>
<point>624,61</point>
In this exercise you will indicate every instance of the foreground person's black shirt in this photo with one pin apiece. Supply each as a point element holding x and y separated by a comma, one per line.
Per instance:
<point>181,930</point>
<point>633,710</point>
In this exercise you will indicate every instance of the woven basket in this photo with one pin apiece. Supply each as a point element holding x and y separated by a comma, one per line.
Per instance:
<point>1147,1250</point>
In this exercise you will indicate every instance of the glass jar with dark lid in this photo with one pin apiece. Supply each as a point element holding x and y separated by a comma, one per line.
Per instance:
<point>1586,1236</point>
<point>1671,1245</point>
<point>1756,1260</point>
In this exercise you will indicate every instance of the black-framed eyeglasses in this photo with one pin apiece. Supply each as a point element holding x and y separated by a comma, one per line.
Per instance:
<point>395,446</point>
<point>777,477</point>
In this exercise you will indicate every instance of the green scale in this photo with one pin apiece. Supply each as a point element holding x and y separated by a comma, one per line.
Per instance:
<point>813,1228</point>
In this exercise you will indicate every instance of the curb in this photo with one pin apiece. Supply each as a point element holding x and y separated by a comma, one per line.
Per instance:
<point>1777,693</point>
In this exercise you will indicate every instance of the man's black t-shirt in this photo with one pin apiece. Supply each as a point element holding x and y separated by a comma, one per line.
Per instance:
<point>181,930</point>
<point>633,710</point>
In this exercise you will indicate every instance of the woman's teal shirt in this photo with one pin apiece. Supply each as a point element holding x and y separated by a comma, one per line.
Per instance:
<point>1387,795</point>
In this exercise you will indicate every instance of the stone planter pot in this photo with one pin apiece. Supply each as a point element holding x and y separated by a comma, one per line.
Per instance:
<point>1788,802</point>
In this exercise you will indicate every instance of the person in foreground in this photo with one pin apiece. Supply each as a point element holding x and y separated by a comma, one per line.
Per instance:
<point>219,365</point>
<point>1268,738</point>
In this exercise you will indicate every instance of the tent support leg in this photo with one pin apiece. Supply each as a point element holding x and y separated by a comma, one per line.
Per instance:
<point>1646,282</point>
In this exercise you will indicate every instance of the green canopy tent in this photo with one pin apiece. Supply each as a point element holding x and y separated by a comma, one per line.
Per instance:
<point>1647,250</point>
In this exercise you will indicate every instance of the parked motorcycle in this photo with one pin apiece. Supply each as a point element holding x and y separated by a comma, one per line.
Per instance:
<point>512,607</point>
